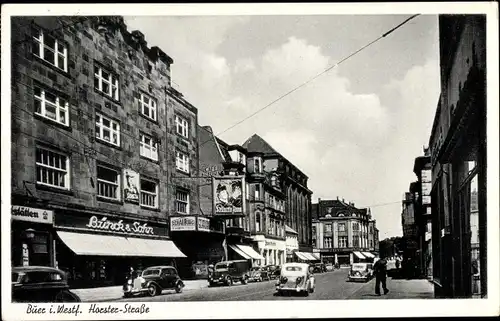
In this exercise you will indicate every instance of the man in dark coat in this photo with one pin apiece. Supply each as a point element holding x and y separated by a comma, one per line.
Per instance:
<point>380,270</point>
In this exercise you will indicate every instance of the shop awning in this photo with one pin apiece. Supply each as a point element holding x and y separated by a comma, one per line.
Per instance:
<point>316,256</point>
<point>111,245</point>
<point>368,254</point>
<point>240,252</point>
<point>306,256</point>
<point>248,250</point>
<point>359,255</point>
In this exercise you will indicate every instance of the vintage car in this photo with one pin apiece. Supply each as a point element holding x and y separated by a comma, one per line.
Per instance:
<point>41,284</point>
<point>153,281</point>
<point>319,267</point>
<point>361,272</point>
<point>258,274</point>
<point>273,271</point>
<point>295,277</point>
<point>227,272</point>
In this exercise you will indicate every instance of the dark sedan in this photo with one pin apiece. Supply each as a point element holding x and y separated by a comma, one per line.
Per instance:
<point>41,284</point>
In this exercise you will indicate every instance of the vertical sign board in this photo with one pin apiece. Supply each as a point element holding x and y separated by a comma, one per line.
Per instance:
<point>228,194</point>
<point>426,186</point>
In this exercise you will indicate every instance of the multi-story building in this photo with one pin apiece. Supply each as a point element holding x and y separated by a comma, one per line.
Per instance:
<point>422,169</point>
<point>343,232</point>
<point>287,183</point>
<point>458,159</point>
<point>232,237</point>
<point>100,146</point>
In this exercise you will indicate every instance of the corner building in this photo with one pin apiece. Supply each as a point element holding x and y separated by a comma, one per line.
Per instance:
<point>344,234</point>
<point>291,183</point>
<point>92,150</point>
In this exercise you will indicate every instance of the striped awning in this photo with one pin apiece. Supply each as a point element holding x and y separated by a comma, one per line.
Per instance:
<point>359,255</point>
<point>368,254</point>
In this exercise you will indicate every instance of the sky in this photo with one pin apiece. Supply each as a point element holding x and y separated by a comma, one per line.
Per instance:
<point>354,131</point>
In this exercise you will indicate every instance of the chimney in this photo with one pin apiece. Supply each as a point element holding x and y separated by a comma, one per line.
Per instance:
<point>343,200</point>
<point>337,198</point>
<point>319,200</point>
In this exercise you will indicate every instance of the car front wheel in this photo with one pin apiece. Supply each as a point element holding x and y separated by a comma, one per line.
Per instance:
<point>178,288</point>
<point>152,290</point>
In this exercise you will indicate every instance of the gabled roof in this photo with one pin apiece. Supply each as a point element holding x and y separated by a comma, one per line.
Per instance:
<point>258,144</point>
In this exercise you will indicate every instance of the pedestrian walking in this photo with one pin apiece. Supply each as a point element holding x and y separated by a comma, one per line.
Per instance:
<point>380,270</point>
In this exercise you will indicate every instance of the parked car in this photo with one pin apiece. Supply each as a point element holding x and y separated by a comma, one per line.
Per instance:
<point>319,267</point>
<point>41,284</point>
<point>258,274</point>
<point>228,272</point>
<point>295,277</point>
<point>153,281</point>
<point>330,267</point>
<point>273,271</point>
<point>361,272</point>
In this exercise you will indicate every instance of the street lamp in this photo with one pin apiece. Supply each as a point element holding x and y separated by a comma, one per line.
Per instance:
<point>29,234</point>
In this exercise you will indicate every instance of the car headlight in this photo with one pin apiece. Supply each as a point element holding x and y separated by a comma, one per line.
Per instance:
<point>129,282</point>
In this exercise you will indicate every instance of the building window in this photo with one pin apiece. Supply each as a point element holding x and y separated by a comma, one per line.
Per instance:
<point>355,226</point>
<point>343,241</point>
<point>106,82</point>
<point>181,126</point>
<point>247,191</point>
<point>341,227</point>
<point>49,49</point>
<point>257,222</point>
<point>147,107</point>
<point>107,129</point>
<point>182,202</point>
<point>257,163</point>
<point>108,182</point>
<point>51,106</point>
<point>371,243</point>
<point>328,242</point>
<point>355,241</point>
<point>52,168</point>
<point>328,228</point>
<point>149,147</point>
<point>257,192</point>
<point>182,162</point>
<point>149,193</point>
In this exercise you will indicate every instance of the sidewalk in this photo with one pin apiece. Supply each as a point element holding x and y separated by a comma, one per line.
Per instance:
<point>398,289</point>
<point>113,293</point>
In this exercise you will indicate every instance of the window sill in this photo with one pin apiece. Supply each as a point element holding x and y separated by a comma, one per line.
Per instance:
<point>54,189</point>
<point>103,94</point>
<point>154,209</point>
<point>51,66</point>
<point>182,172</point>
<point>107,200</point>
<point>150,159</point>
<point>51,122</point>
<point>181,213</point>
<point>108,144</point>
<point>184,138</point>
<point>151,120</point>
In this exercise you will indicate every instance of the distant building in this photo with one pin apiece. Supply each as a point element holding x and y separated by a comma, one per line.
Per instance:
<point>344,234</point>
<point>422,169</point>
<point>292,243</point>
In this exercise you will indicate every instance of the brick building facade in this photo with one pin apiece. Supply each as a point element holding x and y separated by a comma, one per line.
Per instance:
<point>100,146</point>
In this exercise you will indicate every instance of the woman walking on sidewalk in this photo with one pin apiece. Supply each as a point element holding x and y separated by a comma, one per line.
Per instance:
<point>380,270</point>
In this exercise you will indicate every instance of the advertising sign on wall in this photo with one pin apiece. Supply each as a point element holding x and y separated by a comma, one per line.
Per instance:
<point>36,215</point>
<point>183,223</point>
<point>228,194</point>
<point>131,186</point>
<point>113,225</point>
<point>203,224</point>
